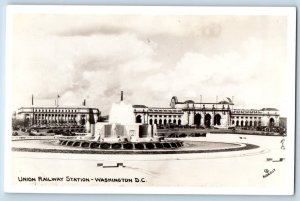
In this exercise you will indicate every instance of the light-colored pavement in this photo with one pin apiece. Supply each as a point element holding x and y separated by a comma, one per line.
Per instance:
<point>236,169</point>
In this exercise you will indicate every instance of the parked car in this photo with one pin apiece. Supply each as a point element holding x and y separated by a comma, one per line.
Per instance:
<point>15,133</point>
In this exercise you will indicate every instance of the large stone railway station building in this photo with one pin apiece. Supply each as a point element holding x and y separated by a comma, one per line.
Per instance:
<point>220,113</point>
<point>187,112</point>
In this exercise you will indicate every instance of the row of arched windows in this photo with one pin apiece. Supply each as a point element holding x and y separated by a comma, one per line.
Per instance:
<point>164,122</point>
<point>158,121</point>
<point>246,123</point>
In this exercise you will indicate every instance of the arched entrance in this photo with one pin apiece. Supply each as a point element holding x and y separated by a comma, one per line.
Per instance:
<point>155,121</point>
<point>174,121</point>
<point>207,120</point>
<point>150,122</point>
<point>217,119</point>
<point>197,119</point>
<point>237,123</point>
<point>165,122</point>
<point>179,122</point>
<point>271,122</point>
<point>160,122</point>
<point>138,119</point>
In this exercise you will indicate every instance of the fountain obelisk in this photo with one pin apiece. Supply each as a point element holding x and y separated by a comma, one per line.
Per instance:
<point>121,95</point>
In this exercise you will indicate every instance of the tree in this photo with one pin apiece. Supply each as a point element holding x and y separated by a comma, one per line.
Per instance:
<point>19,123</point>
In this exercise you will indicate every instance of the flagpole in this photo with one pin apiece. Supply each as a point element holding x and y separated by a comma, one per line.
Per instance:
<point>58,100</point>
<point>200,101</point>
<point>32,110</point>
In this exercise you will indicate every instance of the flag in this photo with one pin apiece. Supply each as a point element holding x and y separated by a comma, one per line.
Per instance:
<point>230,101</point>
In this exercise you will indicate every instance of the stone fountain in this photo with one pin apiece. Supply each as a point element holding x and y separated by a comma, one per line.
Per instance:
<point>121,132</point>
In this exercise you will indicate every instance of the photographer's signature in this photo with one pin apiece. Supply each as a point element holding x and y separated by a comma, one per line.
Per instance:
<point>268,172</point>
<point>282,144</point>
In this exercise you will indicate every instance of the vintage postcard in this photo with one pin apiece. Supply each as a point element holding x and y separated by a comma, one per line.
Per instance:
<point>159,100</point>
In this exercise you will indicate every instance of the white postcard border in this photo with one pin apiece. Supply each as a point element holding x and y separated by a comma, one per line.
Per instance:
<point>290,12</point>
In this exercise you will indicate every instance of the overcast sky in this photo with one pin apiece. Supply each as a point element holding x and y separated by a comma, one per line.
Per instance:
<point>150,58</point>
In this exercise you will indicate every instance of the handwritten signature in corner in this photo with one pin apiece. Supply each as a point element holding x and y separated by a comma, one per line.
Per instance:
<point>268,172</point>
<point>282,144</point>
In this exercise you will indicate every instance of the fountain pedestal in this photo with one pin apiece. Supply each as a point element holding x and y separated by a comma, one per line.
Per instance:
<point>112,132</point>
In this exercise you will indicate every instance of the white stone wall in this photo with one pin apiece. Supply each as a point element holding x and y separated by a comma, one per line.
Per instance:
<point>184,119</point>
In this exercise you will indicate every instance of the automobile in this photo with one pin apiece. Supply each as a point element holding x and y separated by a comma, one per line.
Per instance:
<point>160,127</point>
<point>192,126</point>
<point>183,135</point>
<point>15,133</point>
<point>23,129</point>
<point>200,127</point>
<point>57,132</point>
<point>34,132</point>
<point>68,133</point>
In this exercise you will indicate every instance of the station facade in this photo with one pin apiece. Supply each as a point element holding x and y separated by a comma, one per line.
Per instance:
<point>220,114</point>
<point>186,112</point>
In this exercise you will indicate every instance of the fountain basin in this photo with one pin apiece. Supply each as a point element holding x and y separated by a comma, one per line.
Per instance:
<point>92,147</point>
<point>122,145</point>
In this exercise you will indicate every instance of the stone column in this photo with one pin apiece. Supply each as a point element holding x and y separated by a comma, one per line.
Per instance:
<point>229,122</point>
<point>202,118</point>
<point>192,117</point>
<point>78,119</point>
